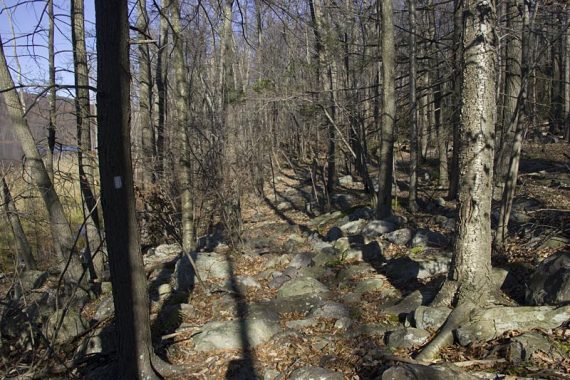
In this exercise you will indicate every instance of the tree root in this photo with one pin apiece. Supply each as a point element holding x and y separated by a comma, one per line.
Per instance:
<point>444,337</point>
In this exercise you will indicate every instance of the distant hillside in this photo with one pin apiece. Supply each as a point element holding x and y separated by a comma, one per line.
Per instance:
<point>38,118</point>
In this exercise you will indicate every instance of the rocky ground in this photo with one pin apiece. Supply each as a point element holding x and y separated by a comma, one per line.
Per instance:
<point>343,296</point>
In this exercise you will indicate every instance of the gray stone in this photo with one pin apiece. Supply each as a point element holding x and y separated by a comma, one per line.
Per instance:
<point>302,260</point>
<point>361,213</point>
<point>399,237</point>
<point>555,242</point>
<point>425,317</point>
<point>284,206</point>
<point>369,285</point>
<point>106,287</point>
<point>378,227</point>
<point>334,233</point>
<point>165,250</point>
<point>345,180</point>
<point>243,283</point>
<point>212,265</point>
<point>184,275</point>
<point>523,347</point>
<point>342,245</point>
<point>71,326</point>
<point>330,309</point>
<point>343,323</point>
<point>228,334</point>
<point>488,324</point>
<point>32,279</point>
<point>417,371</point>
<point>421,266</point>
<point>276,261</point>
<point>271,374</point>
<point>301,286</point>
<point>355,271</point>
<point>105,310</point>
<point>225,305</point>
<point>407,338</point>
<point>293,242</point>
<point>427,238</point>
<point>326,218</point>
<point>353,228</point>
<point>550,282</point>
<point>299,304</point>
<point>302,323</point>
<point>352,298</point>
<point>277,280</point>
<point>315,373</point>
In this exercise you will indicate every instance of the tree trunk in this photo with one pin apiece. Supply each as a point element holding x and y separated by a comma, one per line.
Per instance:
<point>385,175</point>
<point>161,87</point>
<point>511,175</point>
<point>182,105</point>
<point>512,92</point>
<point>24,250</point>
<point>52,92</point>
<point>61,232</point>
<point>123,241</point>
<point>145,98</point>
<point>85,155</point>
<point>456,96</point>
<point>471,265</point>
<point>412,200</point>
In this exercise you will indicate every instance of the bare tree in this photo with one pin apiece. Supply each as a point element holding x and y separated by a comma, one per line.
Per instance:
<point>24,249</point>
<point>62,235</point>
<point>412,200</point>
<point>385,175</point>
<point>136,356</point>
<point>469,283</point>
<point>85,156</point>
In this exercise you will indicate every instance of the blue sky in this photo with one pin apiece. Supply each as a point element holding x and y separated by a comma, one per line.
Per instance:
<point>29,16</point>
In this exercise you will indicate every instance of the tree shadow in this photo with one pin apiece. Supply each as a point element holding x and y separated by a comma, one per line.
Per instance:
<point>243,368</point>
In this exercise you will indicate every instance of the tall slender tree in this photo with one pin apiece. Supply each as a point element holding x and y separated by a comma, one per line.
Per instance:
<point>136,358</point>
<point>388,52</point>
<point>63,238</point>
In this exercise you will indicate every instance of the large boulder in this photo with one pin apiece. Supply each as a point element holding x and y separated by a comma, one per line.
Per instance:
<point>315,373</point>
<point>427,238</point>
<point>550,282</point>
<point>301,286</point>
<point>72,324</point>
<point>400,237</point>
<point>32,279</point>
<point>235,334</point>
<point>213,265</point>
<point>417,371</point>
<point>378,227</point>
<point>407,338</point>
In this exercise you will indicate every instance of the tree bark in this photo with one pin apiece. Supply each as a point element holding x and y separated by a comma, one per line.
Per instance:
<point>162,88</point>
<point>61,232</point>
<point>412,200</point>
<point>456,96</point>
<point>182,105</point>
<point>512,92</point>
<point>145,99</point>
<point>24,249</point>
<point>388,51</point>
<point>52,92</point>
<point>85,155</point>
<point>470,274</point>
<point>123,241</point>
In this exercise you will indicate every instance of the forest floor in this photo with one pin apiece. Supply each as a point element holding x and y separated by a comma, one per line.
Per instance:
<point>352,338</point>
<point>351,295</point>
